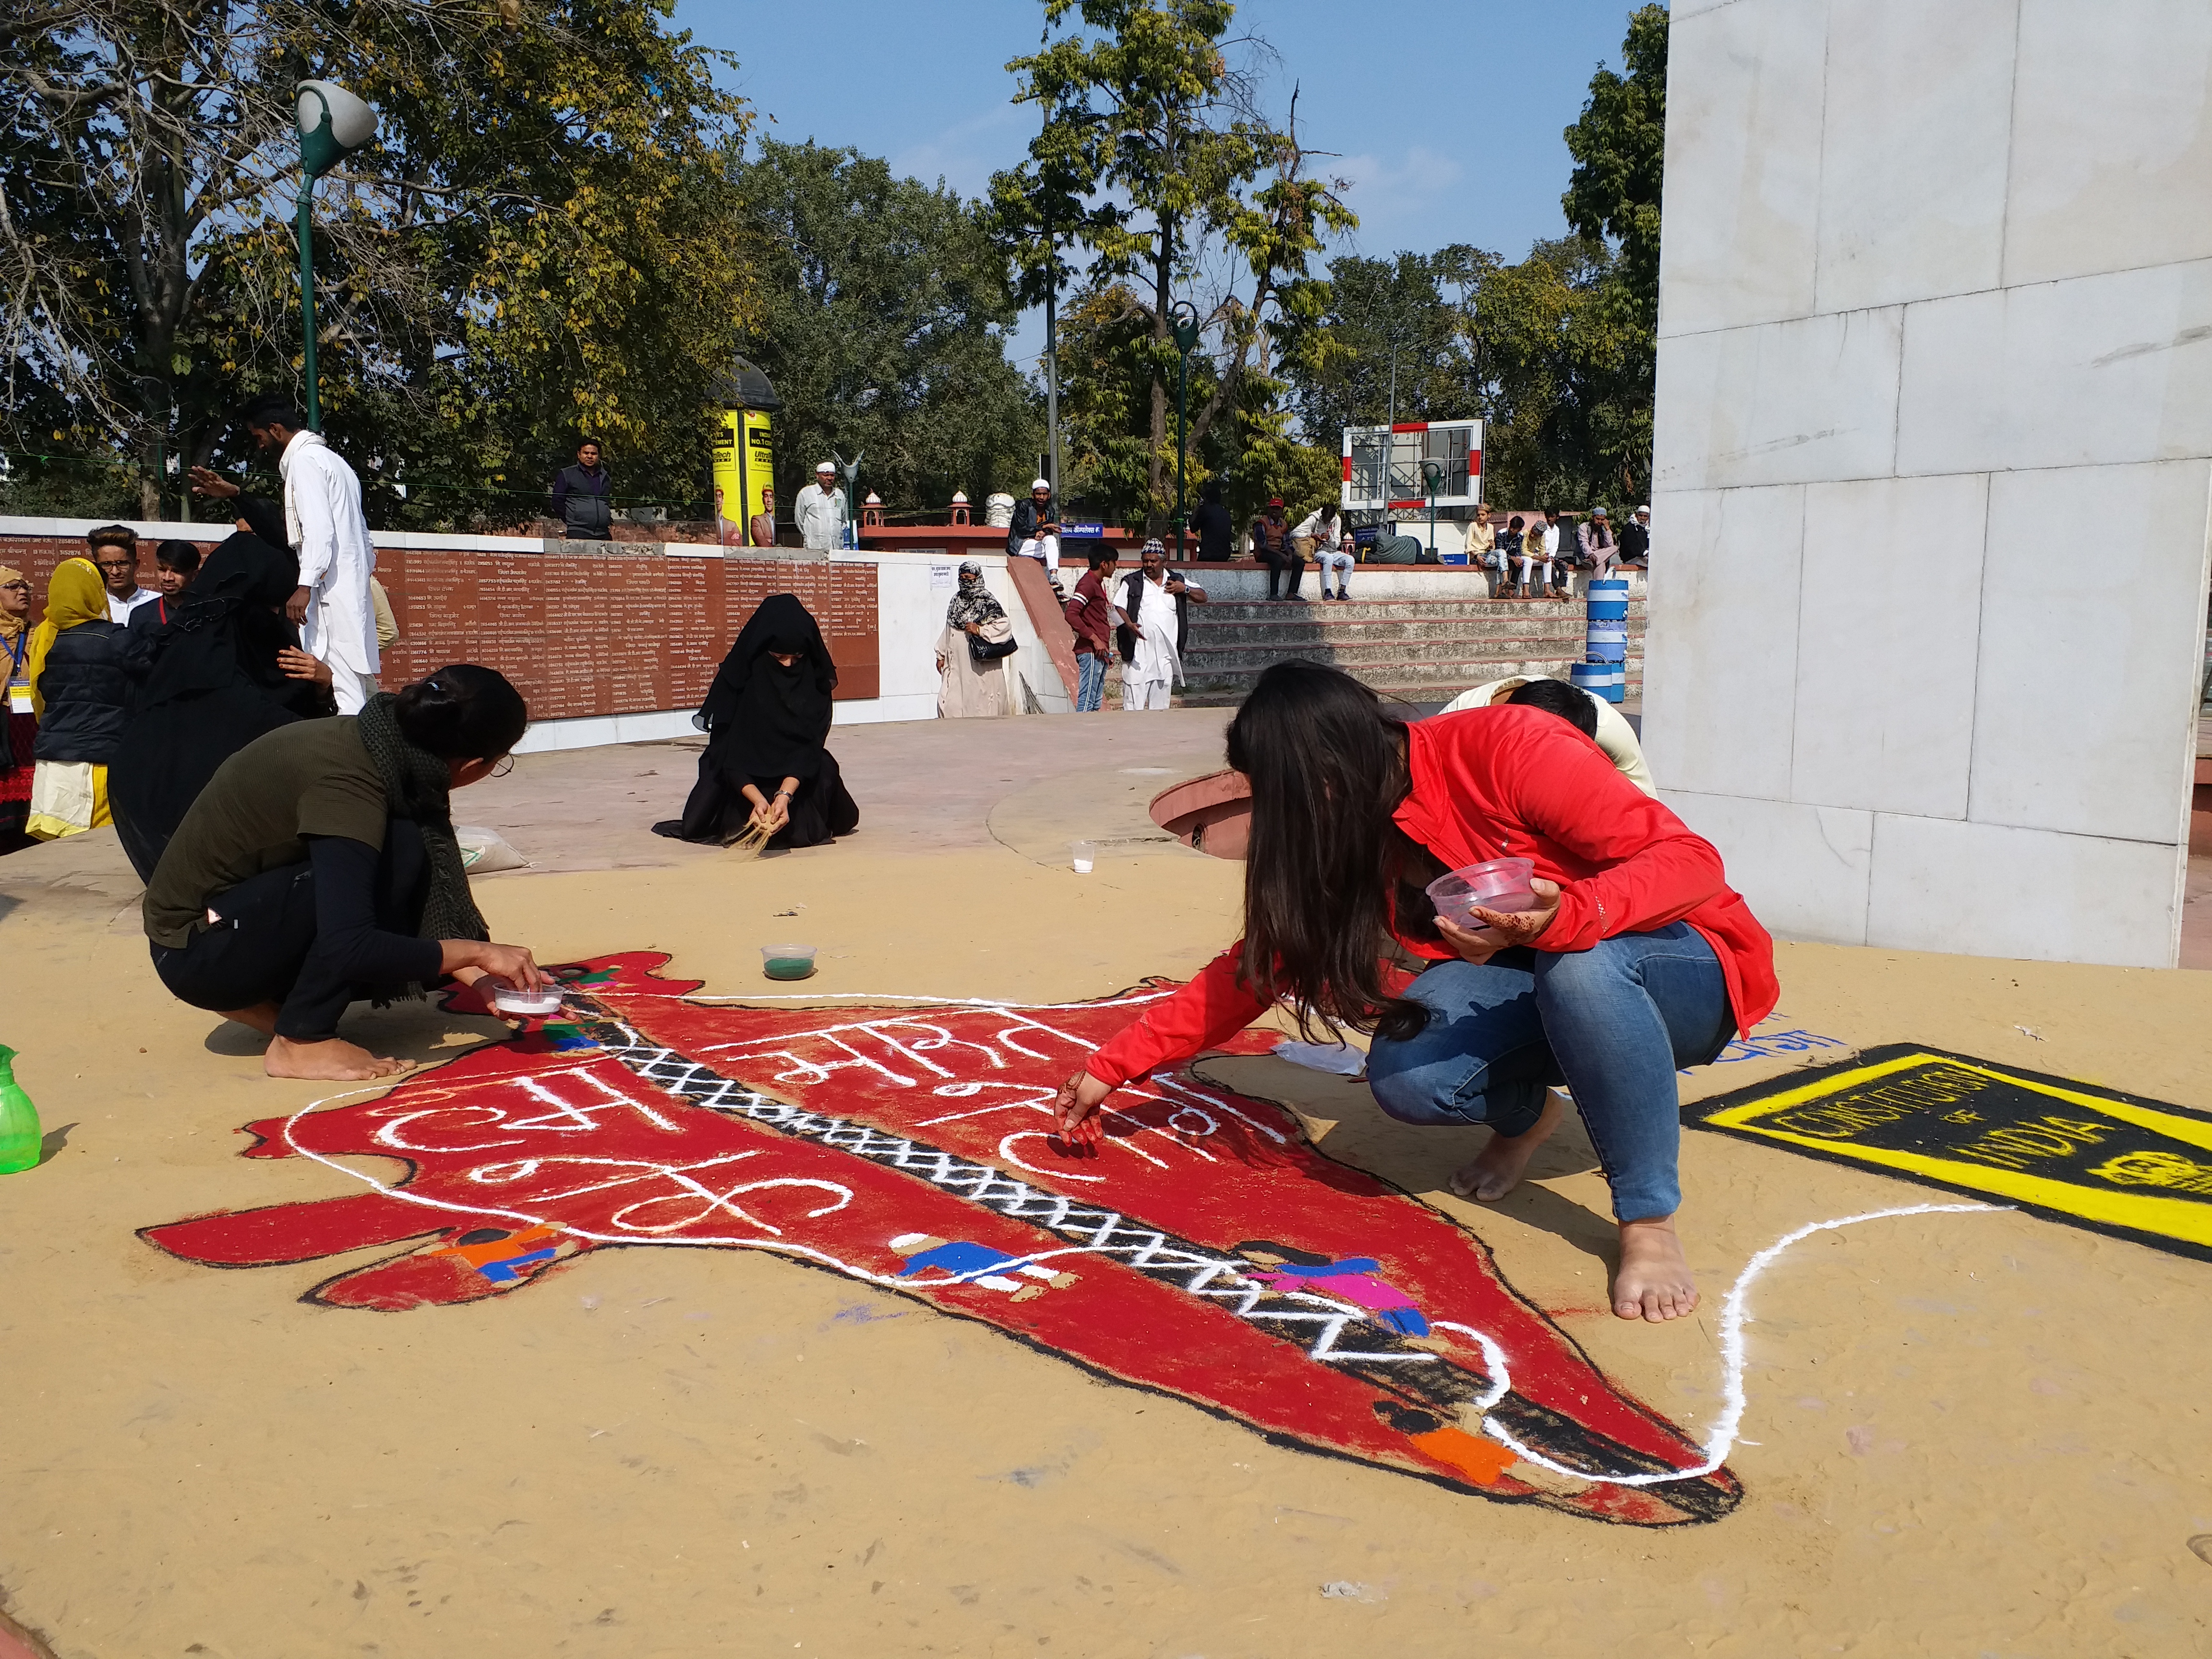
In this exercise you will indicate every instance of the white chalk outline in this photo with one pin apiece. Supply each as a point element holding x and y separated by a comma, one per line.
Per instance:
<point>1733,1319</point>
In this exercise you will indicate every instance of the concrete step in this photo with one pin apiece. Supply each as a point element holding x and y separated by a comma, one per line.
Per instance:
<point>1293,636</point>
<point>1336,612</point>
<point>1361,655</point>
<point>1228,695</point>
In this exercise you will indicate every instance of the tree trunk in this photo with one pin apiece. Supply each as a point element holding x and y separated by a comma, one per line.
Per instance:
<point>1163,333</point>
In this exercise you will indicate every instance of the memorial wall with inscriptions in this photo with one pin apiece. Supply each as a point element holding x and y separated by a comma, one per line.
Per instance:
<point>627,630</point>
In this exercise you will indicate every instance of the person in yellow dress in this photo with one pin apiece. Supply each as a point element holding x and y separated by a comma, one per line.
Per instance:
<point>81,697</point>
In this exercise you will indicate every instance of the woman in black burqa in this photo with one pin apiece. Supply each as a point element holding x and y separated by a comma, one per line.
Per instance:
<point>216,683</point>
<point>767,717</point>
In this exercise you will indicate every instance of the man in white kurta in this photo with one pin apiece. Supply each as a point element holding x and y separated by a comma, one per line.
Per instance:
<point>820,510</point>
<point>1149,608</point>
<point>323,520</point>
<point>332,604</point>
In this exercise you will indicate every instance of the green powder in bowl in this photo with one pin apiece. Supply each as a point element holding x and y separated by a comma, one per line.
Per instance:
<point>787,961</point>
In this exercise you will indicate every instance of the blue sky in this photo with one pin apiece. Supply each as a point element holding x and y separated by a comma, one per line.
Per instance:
<point>1446,119</point>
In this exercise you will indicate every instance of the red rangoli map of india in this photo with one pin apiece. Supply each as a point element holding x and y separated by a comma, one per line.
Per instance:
<point>1207,1251</point>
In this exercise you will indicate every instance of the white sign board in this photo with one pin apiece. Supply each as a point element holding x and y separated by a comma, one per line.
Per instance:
<point>1386,468</point>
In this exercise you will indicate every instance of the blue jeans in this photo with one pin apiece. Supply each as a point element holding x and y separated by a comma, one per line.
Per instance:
<point>1089,683</point>
<point>1613,1023</point>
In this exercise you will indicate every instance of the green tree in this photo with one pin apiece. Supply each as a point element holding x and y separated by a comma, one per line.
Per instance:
<point>884,306</point>
<point>1149,128</point>
<point>1620,146</point>
<point>529,246</point>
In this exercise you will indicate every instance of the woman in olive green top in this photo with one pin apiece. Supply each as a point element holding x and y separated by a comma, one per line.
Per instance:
<point>318,866</point>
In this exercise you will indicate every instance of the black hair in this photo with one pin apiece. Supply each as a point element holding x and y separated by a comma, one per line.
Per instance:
<point>463,712</point>
<point>113,535</point>
<point>1210,490</point>
<point>1570,703</point>
<point>1517,522</point>
<point>273,409</point>
<point>1290,1253</point>
<point>1326,765</point>
<point>1100,557</point>
<point>181,556</point>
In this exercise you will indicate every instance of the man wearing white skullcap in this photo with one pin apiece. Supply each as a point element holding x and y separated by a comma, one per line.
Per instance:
<point>1035,531</point>
<point>820,510</point>
<point>1636,539</point>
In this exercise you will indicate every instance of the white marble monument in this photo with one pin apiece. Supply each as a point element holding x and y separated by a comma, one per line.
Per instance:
<point>1934,465</point>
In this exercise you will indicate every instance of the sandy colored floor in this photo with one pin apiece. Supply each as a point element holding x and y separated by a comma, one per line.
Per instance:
<point>1966,1434</point>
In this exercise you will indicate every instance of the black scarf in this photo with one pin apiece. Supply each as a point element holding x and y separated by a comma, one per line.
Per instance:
<point>765,720</point>
<point>418,785</point>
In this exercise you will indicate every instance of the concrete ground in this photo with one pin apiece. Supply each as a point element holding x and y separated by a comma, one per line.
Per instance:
<point>1961,1431</point>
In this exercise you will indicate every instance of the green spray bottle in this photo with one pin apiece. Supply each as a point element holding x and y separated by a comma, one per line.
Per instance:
<point>20,1141</point>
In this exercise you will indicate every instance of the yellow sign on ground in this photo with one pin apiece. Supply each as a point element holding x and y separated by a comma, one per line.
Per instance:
<point>2111,1162</point>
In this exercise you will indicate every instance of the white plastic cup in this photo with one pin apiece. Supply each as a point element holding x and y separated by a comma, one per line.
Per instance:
<point>1086,854</point>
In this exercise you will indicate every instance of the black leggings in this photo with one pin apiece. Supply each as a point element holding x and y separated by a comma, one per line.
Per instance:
<point>265,948</point>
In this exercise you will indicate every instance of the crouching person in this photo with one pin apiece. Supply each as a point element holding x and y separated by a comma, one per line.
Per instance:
<point>318,866</point>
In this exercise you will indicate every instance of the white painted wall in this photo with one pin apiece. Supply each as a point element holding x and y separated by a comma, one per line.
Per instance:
<point>1935,463</point>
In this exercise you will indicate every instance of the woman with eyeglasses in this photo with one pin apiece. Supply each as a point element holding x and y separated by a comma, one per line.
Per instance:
<point>19,726</point>
<point>319,867</point>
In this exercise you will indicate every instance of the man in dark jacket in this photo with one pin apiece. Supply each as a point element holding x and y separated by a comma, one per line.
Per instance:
<point>583,497</point>
<point>1034,531</point>
<point>1271,545</point>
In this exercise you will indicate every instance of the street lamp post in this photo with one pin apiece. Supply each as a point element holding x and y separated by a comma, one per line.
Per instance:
<point>1185,316</point>
<point>333,124</point>
<point>1432,475</point>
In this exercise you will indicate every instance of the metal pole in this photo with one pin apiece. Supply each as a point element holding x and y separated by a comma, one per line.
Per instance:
<point>1182,445</point>
<point>308,296</point>
<point>1052,364</point>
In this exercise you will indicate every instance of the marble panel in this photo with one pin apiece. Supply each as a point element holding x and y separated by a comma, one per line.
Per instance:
<point>1885,644</point>
<point>2108,368</point>
<point>1803,869</point>
<point>1743,163</point>
<point>1913,153</point>
<point>1803,402</point>
<point>1992,891</point>
<point>1720,656</point>
<point>2085,708</point>
<point>2112,162</point>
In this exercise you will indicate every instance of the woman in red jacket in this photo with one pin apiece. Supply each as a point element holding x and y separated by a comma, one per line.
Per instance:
<point>1638,960</point>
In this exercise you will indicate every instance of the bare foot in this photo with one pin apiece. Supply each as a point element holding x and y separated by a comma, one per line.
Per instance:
<point>332,1060</point>
<point>1653,1281</point>
<point>262,1016</point>
<point>1498,1169</point>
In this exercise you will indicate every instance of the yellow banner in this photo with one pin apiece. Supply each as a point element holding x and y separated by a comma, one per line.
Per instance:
<point>2075,1153</point>
<point>744,467</point>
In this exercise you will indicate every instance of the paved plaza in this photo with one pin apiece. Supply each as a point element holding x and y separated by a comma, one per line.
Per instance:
<point>241,1384</point>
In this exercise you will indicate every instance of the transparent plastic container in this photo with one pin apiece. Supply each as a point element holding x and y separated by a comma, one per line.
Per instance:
<point>531,1005</point>
<point>1084,854</point>
<point>787,961</point>
<point>1498,885</point>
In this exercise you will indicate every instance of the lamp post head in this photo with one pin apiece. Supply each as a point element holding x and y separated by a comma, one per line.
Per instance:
<point>333,124</point>
<point>1184,318</point>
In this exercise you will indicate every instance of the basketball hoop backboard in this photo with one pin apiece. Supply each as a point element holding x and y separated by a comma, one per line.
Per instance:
<point>1383,466</point>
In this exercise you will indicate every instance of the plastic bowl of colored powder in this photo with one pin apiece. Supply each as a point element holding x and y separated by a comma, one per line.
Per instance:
<point>532,1005</point>
<point>1499,884</point>
<point>787,961</point>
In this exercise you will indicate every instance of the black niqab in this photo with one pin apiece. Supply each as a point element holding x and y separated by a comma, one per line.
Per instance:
<point>214,686</point>
<point>765,720</point>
